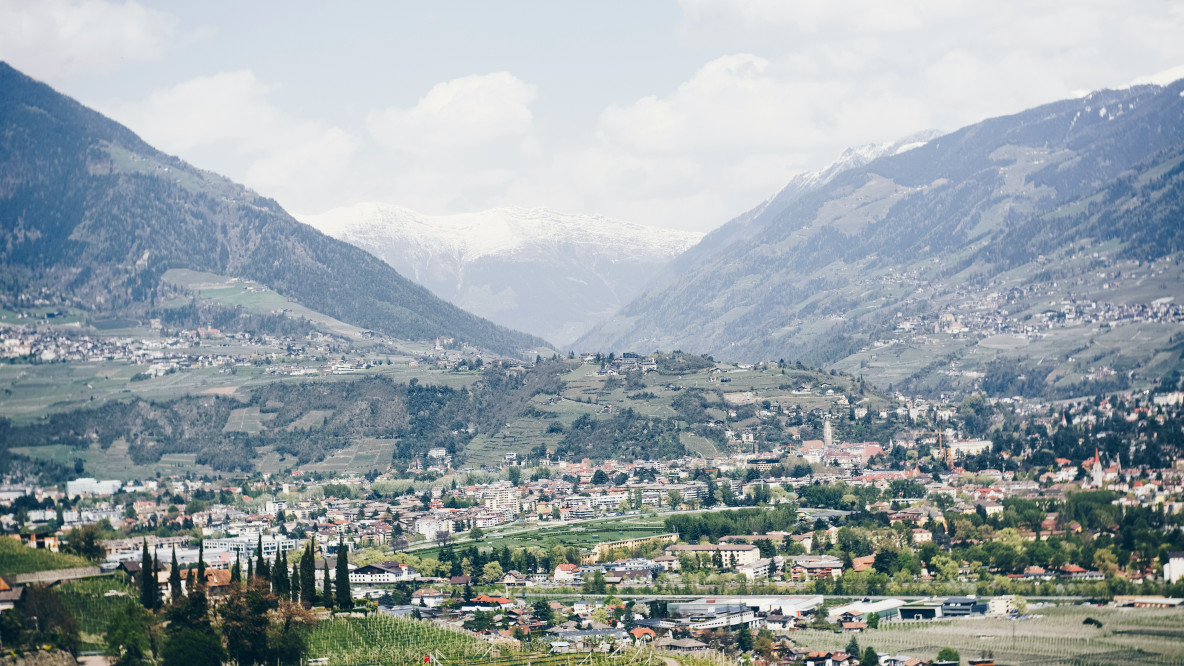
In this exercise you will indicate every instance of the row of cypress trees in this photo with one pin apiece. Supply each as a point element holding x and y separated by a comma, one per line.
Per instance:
<point>297,583</point>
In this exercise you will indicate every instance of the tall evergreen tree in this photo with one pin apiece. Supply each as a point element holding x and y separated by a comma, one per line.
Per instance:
<point>344,598</point>
<point>279,576</point>
<point>201,563</point>
<point>744,638</point>
<point>261,569</point>
<point>308,571</point>
<point>853,646</point>
<point>327,591</point>
<point>156,603</point>
<point>174,577</point>
<point>236,570</point>
<point>147,579</point>
<point>250,570</point>
<point>296,582</point>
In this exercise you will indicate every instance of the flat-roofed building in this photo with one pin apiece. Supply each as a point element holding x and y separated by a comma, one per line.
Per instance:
<point>730,555</point>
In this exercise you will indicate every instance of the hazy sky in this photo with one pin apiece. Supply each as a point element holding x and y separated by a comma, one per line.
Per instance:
<point>679,114</point>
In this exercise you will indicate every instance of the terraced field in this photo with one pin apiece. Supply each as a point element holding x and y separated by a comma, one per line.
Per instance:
<point>387,640</point>
<point>1056,635</point>
<point>93,602</point>
<point>363,455</point>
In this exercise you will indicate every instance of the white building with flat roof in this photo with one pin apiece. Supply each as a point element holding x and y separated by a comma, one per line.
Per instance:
<point>247,545</point>
<point>883,608</point>
<point>94,487</point>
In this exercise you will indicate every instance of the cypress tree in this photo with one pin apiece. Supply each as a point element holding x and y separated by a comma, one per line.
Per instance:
<point>308,572</point>
<point>344,598</point>
<point>327,592</point>
<point>236,570</point>
<point>250,569</point>
<point>155,580</point>
<point>201,563</point>
<point>296,596</point>
<point>274,577</point>
<point>147,580</point>
<point>175,577</point>
<point>261,569</point>
<point>279,576</point>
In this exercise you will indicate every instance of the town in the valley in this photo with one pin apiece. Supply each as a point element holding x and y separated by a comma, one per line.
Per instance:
<point>802,547</point>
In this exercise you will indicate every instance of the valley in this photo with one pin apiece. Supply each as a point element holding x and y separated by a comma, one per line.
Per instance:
<point>918,398</point>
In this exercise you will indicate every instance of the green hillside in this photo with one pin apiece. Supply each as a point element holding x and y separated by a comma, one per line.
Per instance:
<point>92,217</point>
<point>381,416</point>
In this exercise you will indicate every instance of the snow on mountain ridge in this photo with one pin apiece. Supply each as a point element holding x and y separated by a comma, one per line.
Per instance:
<point>851,158</point>
<point>498,231</point>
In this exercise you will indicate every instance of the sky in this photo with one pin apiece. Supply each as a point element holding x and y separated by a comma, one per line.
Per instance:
<point>679,114</point>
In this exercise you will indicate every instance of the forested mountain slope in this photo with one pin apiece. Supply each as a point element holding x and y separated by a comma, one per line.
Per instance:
<point>991,227</point>
<point>92,217</point>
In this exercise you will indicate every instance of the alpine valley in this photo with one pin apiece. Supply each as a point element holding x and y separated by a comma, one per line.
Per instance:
<point>547,273</point>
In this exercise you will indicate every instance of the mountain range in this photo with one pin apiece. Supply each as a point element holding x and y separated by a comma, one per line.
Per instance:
<point>1031,254</point>
<point>551,274</point>
<point>939,265</point>
<point>92,217</point>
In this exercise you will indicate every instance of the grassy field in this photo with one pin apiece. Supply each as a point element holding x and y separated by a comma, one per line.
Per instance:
<point>518,436</point>
<point>584,535</point>
<point>254,297</point>
<point>30,391</point>
<point>42,315</point>
<point>114,463</point>
<point>17,558</point>
<point>1056,635</point>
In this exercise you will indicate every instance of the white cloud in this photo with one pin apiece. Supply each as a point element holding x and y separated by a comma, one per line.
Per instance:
<point>227,122</point>
<point>58,40</point>
<point>764,89</point>
<point>315,160</point>
<point>460,115</point>
<point>228,107</point>
<point>457,149</point>
<point>804,80</point>
<point>732,104</point>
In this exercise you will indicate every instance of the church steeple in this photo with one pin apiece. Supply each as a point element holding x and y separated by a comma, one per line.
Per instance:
<point>1097,469</point>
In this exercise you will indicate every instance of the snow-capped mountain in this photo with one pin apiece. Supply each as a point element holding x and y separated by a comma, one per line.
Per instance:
<point>550,273</point>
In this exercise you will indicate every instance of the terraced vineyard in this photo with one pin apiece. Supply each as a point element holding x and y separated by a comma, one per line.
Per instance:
<point>381,639</point>
<point>93,602</point>
<point>1057,635</point>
